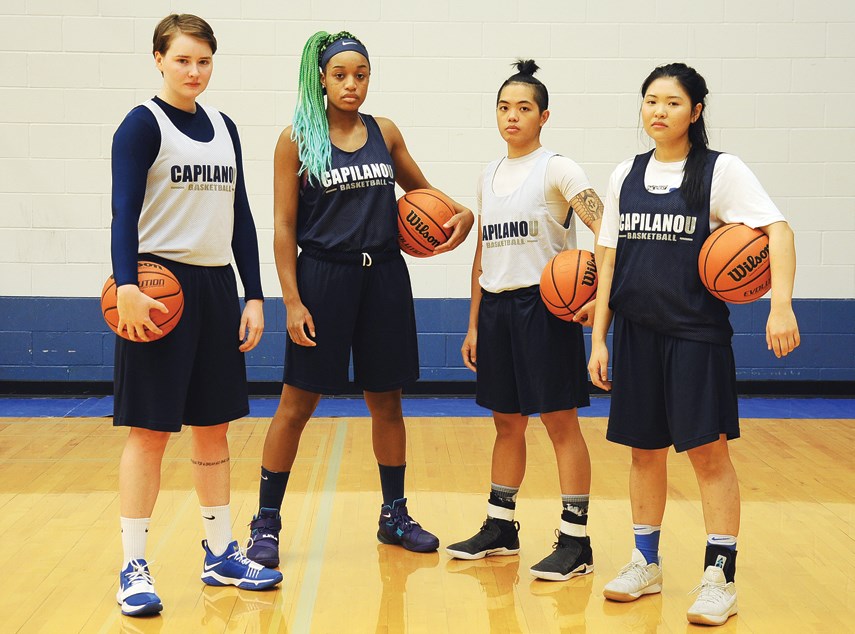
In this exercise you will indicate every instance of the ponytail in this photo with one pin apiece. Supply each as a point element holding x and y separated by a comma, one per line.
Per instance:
<point>692,187</point>
<point>310,128</point>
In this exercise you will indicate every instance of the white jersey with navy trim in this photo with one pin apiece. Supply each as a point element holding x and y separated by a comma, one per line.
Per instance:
<point>525,216</point>
<point>188,210</point>
<point>737,196</point>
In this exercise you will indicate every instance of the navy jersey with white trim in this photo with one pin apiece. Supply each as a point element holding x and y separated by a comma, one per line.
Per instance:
<point>352,208</point>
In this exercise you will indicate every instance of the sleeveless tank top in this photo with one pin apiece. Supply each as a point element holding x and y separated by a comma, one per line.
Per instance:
<point>656,281</point>
<point>353,208</point>
<point>188,209</point>
<point>518,234</point>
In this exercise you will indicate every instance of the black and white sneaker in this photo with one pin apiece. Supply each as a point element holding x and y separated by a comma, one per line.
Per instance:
<point>496,537</point>
<point>571,557</point>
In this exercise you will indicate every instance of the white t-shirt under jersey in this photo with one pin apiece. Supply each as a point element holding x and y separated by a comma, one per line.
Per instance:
<point>564,180</point>
<point>539,199</point>
<point>736,195</point>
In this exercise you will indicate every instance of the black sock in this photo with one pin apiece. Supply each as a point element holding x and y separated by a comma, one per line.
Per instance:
<point>722,557</point>
<point>271,491</point>
<point>392,482</point>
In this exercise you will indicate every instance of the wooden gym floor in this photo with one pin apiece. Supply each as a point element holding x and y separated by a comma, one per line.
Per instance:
<point>60,547</point>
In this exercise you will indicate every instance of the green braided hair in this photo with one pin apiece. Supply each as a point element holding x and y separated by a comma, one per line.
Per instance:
<point>310,128</point>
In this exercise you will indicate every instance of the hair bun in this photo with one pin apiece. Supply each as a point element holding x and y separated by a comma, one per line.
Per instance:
<point>526,66</point>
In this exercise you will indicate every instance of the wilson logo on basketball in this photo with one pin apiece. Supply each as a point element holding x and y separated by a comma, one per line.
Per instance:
<point>589,277</point>
<point>422,229</point>
<point>740,271</point>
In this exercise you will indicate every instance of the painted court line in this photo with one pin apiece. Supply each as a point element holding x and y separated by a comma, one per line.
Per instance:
<point>315,556</point>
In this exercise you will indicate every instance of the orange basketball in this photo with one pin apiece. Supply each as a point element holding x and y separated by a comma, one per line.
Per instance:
<point>734,264</point>
<point>156,281</point>
<point>568,282</point>
<point>421,214</point>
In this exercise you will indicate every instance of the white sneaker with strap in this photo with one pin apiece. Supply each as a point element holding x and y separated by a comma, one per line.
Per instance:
<point>635,579</point>
<point>716,600</point>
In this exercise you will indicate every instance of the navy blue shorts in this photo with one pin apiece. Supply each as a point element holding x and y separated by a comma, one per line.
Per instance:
<point>529,361</point>
<point>195,375</point>
<point>669,391</point>
<point>364,309</point>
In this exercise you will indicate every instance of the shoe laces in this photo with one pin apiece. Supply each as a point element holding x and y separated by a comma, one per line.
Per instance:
<point>711,591</point>
<point>139,574</point>
<point>239,555</point>
<point>404,522</point>
<point>634,571</point>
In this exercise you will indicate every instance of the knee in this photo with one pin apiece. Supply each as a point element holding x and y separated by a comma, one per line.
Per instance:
<point>148,441</point>
<point>562,429</point>
<point>213,436</point>
<point>649,458</point>
<point>385,406</point>
<point>511,428</point>
<point>710,461</point>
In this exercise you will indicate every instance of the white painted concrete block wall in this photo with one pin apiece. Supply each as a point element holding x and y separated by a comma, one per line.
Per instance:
<point>781,75</point>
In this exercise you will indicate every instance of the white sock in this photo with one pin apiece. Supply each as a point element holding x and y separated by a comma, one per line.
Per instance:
<point>218,527</point>
<point>134,537</point>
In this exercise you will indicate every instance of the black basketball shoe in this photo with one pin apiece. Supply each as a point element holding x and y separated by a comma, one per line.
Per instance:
<point>496,537</point>
<point>571,557</point>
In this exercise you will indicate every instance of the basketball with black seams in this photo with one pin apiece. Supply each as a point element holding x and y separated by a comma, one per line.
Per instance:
<point>568,282</point>
<point>734,264</point>
<point>156,281</point>
<point>421,216</point>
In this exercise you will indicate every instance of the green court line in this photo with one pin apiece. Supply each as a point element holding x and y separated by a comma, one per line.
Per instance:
<point>315,560</point>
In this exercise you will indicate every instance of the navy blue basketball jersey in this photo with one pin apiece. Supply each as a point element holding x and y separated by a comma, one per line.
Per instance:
<point>656,281</point>
<point>353,208</point>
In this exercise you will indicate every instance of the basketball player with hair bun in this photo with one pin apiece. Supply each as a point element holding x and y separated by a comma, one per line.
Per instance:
<point>673,366</point>
<point>179,199</point>
<point>335,170</point>
<point>526,360</point>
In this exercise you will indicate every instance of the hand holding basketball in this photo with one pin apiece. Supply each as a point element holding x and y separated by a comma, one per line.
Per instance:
<point>134,309</point>
<point>568,283</point>
<point>146,312</point>
<point>461,224</point>
<point>422,218</point>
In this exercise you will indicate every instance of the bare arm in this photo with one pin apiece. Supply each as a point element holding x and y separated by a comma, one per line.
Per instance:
<point>598,366</point>
<point>409,176</point>
<point>782,330</point>
<point>286,190</point>
<point>470,343</point>
<point>589,208</point>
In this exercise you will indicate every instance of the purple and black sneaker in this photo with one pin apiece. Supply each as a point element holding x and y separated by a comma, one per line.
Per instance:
<point>264,536</point>
<point>398,528</point>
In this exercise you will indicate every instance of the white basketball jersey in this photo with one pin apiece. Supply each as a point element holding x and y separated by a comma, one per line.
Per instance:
<point>188,209</point>
<point>518,233</point>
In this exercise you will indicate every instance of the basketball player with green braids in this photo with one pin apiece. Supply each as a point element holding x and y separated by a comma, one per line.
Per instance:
<point>335,171</point>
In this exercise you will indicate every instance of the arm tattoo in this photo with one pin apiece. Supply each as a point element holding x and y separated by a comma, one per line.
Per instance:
<point>587,206</point>
<point>200,463</point>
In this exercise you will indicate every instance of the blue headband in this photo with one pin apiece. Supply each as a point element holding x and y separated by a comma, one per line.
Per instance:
<point>340,46</point>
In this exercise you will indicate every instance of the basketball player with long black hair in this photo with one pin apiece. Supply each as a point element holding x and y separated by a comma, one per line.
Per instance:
<point>673,368</point>
<point>179,198</point>
<point>335,170</point>
<point>528,361</point>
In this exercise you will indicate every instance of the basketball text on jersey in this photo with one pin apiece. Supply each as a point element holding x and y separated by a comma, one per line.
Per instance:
<point>668,227</point>
<point>503,234</point>
<point>204,177</point>
<point>356,176</point>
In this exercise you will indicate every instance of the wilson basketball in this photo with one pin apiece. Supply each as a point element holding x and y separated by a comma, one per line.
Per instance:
<point>734,264</point>
<point>421,214</point>
<point>568,282</point>
<point>156,281</point>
